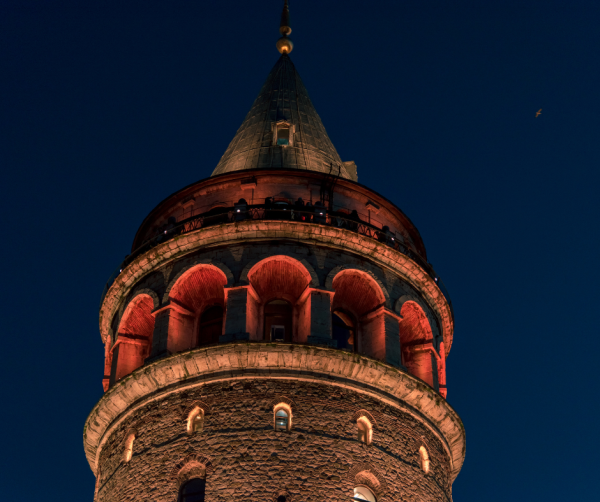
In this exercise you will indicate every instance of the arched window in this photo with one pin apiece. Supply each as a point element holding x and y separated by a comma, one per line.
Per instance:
<point>195,421</point>
<point>359,294</point>
<point>278,321</point>
<point>363,493</point>
<point>281,420</point>
<point>193,491</point>
<point>424,459</point>
<point>283,417</point>
<point>365,430</point>
<point>343,330</point>
<point>210,326</point>
<point>416,337</point>
<point>128,453</point>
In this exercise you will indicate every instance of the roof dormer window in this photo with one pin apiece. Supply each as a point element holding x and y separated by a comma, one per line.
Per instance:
<point>283,134</point>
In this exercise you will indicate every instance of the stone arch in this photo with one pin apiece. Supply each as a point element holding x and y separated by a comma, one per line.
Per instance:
<point>406,298</point>
<point>119,315</point>
<point>364,413</point>
<point>192,466</point>
<point>331,276</point>
<point>314,280</point>
<point>211,263</point>
<point>433,322</point>
<point>279,285</point>
<point>277,496</point>
<point>282,399</point>
<point>201,404</point>
<point>416,340</point>
<point>191,293</point>
<point>134,336</point>
<point>360,297</point>
<point>365,474</point>
<point>145,291</point>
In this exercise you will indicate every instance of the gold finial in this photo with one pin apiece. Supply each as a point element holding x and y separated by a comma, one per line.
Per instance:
<point>284,44</point>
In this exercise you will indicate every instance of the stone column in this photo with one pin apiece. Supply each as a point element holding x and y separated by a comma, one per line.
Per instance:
<point>113,366</point>
<point>320,319</point>
<point>236,316</point>
<point>173,330</point>
<point>391,327</point>
<point>160,336</point>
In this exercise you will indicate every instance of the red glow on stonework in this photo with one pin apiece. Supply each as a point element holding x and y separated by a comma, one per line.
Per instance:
<point>418,352</point>
<point>200,287</point>
<point>280,297</point>
<point>279,277</point>
<point>134,337</point>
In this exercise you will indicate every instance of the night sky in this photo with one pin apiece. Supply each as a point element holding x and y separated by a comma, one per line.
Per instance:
<point>106,108</point>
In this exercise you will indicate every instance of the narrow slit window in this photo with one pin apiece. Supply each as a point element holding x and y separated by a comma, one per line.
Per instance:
<point>281,420</point>
<point>282,415</point>
<point>195,421</point>
<point>424,459</point>
<point>283,136</point>
<point>129,447</point>
<point>365,430</point>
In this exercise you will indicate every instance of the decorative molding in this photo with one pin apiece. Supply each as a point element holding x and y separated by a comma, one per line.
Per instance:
<point>379,488</point>
<point>200,404</point>
<point>259,231</point>
<point>282,399</point>
<point>364,413</point>
<point>292,362</point>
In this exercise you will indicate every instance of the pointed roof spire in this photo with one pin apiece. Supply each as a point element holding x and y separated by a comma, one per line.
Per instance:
<point>283,130</point>
<point>284,44</point>
<point>285,28</point>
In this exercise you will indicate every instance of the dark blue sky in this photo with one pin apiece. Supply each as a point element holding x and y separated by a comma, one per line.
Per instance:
<point>108,107</point>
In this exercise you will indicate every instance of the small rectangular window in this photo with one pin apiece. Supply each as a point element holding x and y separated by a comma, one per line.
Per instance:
<point>283,136</point>
<point>277,333</point>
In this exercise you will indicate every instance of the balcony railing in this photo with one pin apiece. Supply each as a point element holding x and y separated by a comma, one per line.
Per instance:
<point>275,212</point>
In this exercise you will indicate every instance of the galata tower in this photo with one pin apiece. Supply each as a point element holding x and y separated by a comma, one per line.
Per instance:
<point>276,333</point>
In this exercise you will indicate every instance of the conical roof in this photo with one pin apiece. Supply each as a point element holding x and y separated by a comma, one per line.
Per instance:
<point>283,103</point>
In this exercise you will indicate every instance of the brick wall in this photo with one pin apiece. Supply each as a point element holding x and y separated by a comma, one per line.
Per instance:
<point>244,458</point>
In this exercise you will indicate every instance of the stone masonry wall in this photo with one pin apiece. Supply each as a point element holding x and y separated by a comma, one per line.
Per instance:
<point>322,260</point>
<point>319,459</point>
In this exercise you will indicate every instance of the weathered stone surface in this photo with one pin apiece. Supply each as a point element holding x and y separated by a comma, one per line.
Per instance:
<point>210,241</point>
<point>245,458</point>
<point>387,389</point>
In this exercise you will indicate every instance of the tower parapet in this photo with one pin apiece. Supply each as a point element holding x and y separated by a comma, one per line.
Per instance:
<point>278,322</point>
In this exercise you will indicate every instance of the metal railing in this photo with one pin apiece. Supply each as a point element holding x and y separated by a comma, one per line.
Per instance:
<point>317,216</point>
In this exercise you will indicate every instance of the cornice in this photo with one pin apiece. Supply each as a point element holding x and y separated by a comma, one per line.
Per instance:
<point>264,230</point>
<point>274,361</point>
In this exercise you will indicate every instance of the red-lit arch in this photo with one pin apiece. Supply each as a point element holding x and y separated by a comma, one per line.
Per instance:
<point>416,340</point>
<point>357,293</point>
<point>195,291</point>
<point>134,337</point>
<point>199,287</point>
<point>279,283</point>
<point>279,277</point>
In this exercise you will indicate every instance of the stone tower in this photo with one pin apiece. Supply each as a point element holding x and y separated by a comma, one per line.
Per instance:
<point>276,333</point>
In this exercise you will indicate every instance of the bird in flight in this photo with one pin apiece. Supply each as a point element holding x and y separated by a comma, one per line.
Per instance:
<point>538,113</point>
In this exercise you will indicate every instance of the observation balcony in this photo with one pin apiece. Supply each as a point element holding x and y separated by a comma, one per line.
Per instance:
<point>279,211</point>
